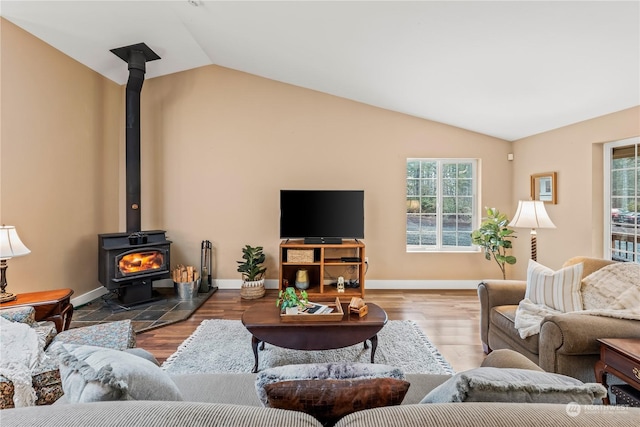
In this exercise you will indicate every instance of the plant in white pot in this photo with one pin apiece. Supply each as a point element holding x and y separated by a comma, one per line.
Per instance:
<point>252,268</point>
<point>493,237</point>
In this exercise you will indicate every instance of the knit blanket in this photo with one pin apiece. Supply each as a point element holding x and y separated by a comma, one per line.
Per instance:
<point>20,353</point>
<point>612,291</point>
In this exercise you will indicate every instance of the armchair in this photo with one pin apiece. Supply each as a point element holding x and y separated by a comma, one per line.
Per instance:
<point>567,343</point>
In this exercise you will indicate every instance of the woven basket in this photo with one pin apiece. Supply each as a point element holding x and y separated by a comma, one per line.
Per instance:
<point>300,255</point>
<point>252,290</point>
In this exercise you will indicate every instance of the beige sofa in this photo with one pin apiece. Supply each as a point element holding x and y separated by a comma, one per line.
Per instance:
<point>231,400</point>
<point>567,343</point>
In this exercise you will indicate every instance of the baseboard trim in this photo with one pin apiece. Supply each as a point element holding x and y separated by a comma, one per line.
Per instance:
<point>273,284</point>
<point>89,296</point>
<point>422,284</point>
<point>376,284</point>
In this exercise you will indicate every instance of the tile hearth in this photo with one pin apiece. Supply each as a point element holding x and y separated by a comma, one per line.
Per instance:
<point>166,310</point>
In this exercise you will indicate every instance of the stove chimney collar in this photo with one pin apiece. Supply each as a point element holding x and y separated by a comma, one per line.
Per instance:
<point>136,55</point>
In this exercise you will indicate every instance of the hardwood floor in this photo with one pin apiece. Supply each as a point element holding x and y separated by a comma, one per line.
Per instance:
<point>449,318</point>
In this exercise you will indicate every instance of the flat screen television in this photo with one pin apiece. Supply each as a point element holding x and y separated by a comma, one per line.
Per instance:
<point>322,216</point>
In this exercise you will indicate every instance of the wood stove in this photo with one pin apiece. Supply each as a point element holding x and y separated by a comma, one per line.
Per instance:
<point>129,263</point>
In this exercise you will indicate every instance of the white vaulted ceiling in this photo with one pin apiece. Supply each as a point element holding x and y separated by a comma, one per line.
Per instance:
<point>509,69</point>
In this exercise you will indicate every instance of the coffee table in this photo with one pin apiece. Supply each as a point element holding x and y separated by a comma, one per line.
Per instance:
<point>264,323</point>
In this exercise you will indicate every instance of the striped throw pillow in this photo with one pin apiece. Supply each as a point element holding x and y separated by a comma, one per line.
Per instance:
<point>559,290</point>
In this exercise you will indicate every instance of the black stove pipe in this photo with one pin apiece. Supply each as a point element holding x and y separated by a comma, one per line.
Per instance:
<point>136,56</point>
<point>134,87</point>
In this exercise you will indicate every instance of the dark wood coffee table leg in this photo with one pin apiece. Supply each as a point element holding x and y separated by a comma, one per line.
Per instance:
<point>601,377</point>
<point>374,346</point>
<point>254,345</point>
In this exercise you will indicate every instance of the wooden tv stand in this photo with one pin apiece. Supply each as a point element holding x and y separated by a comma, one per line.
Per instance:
<point>324,263</point>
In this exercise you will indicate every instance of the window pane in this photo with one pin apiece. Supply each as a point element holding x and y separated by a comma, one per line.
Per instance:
<point>465,223</point>
<point>412,187</point>
<point>465,205</point>
<point>449,222</point>
<point>449,170</point>
<point>465,187</point>
<point>624,163</point>
<point>449,204</point>
<point>413,223</point>
<point>623,183</point>
<point>413,205</point>
<point>449,238</point>
<point>429,223</point>
<point>624,177</point>
<point>413,239</point>
<point>429,204</point>
<point>465,170</point>
<point>428,239</point>
<point>428,170</point>
<point>449,187</point>
<point>413,169</point>
<point>440,210</point>
<point>464,239</point>
<point>428,187</point>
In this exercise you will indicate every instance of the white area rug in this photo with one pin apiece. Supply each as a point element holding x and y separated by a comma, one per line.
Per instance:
<point>224,346</point>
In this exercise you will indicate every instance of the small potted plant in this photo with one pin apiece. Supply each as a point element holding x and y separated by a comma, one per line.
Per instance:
<point>252,268</point>
<point>290,302</point>
<point>493,237</point>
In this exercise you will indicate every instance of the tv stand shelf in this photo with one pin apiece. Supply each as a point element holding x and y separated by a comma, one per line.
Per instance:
<point>329,262</point>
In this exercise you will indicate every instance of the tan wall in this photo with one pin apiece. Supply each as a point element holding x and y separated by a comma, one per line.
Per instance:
<point>218,146</point>
<point>60,130</point>
<point>575,152</point>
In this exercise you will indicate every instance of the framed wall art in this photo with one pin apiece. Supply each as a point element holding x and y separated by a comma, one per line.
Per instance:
<point>544,187</point>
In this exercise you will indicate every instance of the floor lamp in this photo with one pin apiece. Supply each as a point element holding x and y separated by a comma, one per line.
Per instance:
<point>532,214</point>
<point>10,246</point>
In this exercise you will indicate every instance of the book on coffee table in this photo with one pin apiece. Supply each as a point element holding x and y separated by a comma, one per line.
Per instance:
<point>315,308</point>
<point>326,312</point>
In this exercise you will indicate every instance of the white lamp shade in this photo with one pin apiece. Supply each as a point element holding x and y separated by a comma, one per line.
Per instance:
<point>531,214</point>
<point>10,244</point>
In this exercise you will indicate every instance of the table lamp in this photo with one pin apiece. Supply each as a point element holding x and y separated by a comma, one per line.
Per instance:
<point>10,246</point>
<point>532,214</point>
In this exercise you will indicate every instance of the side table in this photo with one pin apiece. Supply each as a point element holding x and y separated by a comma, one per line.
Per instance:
<point>619,357</point>
<point>53,305</point>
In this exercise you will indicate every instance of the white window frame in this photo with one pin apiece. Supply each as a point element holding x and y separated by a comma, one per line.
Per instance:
<point>608,226</point>
<point>439,246</point>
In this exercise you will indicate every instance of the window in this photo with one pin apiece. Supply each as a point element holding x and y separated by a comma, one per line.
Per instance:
<point>622,200</point>
<point>441,204</point>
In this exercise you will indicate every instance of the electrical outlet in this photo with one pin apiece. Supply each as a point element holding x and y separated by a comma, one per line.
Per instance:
<point>366,260</point>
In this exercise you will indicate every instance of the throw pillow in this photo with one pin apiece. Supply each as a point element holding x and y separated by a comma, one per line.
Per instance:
<point>141,352</point>
<point>330,400</point>
<point>514,385</point>
<point>559,290</point>
<point>602,288</point>
<point>91,374</point>
<point>322,371</point>
<point>20,315</point>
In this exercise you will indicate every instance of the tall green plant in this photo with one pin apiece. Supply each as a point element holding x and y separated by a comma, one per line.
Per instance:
<point>251,266</point>
<point>493,237</point>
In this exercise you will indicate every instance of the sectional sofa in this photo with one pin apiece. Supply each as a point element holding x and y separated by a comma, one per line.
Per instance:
<point>231,400</point>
